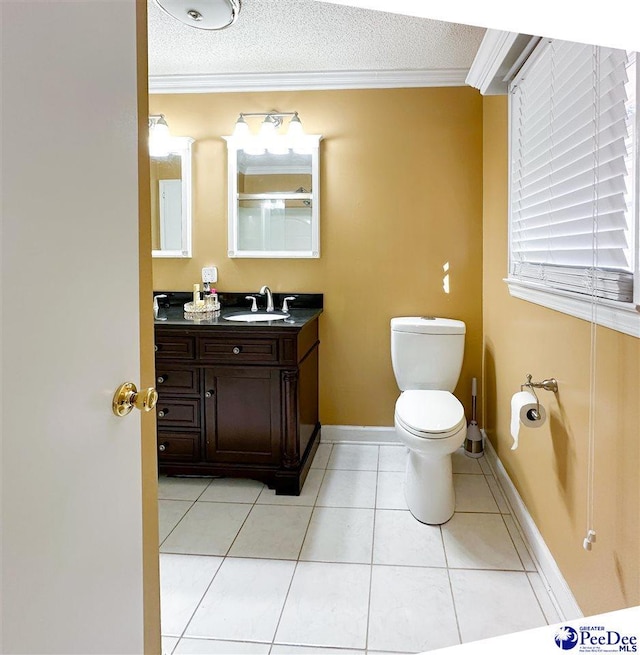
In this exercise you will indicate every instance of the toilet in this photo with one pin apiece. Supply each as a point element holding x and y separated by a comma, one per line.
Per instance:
<point>426,354</point>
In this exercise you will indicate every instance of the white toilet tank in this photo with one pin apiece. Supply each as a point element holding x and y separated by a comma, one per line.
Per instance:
<point>427,352</point>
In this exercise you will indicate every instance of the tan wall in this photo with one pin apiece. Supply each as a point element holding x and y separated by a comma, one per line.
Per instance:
<point>400,196</point>
<point>549,468</point>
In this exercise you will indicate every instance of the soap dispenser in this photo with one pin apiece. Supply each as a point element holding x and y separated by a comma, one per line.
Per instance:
<point>197,301</point>
<point>156,307</point>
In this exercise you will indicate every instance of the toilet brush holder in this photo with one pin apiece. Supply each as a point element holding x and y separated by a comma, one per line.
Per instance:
<point>473,445</point>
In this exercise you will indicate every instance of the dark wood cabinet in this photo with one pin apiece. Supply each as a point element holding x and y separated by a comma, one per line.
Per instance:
<point>239,402</point>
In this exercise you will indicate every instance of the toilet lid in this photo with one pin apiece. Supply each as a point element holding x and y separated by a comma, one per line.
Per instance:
<point>435,412</point>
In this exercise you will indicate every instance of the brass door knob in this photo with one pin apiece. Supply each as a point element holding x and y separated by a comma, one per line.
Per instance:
<point>127,397</point>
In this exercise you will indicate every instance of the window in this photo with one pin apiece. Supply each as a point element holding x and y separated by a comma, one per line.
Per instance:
<point>573,183</point>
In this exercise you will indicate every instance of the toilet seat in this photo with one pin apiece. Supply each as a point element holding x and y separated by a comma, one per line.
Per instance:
<point>430,414</point>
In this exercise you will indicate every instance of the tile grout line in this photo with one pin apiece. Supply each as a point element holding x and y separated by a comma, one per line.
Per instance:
<point>176,525</point>
<point>197,605</point>
<point>255,502</point>
<point>313,511</point>
<point>324,473</point>
<point>182,517</point>
<point>373,540</point>
<point>542,582</point>
<point>186,555</point>
<point>295,568</point>
<point>224,558</point>
<point>448,569</point>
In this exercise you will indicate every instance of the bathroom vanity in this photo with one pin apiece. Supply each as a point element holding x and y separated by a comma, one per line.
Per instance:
<point>238,399</point>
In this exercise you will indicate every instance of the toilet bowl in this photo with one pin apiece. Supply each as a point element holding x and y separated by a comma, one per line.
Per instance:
<point>432,425</point>
<point>426,355</point>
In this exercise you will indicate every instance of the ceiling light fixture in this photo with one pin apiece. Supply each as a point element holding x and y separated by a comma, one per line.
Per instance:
<point>203,14</point>
<point>269,138</point>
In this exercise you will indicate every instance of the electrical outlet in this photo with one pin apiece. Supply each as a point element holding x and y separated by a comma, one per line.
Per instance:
<point>210,274</point>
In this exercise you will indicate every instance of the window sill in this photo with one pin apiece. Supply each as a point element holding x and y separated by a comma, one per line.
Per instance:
<point>619,316</point>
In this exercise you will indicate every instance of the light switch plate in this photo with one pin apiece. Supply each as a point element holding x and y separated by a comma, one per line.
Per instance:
<point>210,274</point>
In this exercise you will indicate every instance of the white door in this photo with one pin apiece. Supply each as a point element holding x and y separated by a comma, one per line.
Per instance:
<point>71,479</point>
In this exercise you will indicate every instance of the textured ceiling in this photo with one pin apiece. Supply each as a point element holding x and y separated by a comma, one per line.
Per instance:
<point>306,35</point>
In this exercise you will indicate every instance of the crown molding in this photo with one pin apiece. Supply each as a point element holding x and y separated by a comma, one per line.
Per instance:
<point>306,81</point>
<point>499,56</point>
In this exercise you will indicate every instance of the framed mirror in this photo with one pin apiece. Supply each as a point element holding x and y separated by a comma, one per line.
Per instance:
<point>171,200</point>
<point>273,202</point>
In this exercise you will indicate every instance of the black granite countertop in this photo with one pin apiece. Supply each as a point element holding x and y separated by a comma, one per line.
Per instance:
<point>303,309</point>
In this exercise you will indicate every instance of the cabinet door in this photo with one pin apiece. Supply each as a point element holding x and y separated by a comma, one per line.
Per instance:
<point>242,415</point>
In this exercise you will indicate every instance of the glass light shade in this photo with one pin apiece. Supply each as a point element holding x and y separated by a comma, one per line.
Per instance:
<point>268,128</point>
<point>160,140</point>
<point>241,130</point>
<point>295,128</point>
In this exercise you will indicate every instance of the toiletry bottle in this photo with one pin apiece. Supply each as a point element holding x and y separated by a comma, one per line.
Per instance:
<point>196,295</point>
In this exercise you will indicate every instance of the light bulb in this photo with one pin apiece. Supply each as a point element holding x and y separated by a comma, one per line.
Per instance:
<point>160,140</point>
<point>295,128</point>
<point>296,136</point>
<point>241,129</point>
<point>268,128</point>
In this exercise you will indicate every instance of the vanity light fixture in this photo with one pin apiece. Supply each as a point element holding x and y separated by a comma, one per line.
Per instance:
<point>269,138</point>
<point>202,14</point>
<point>160,140</point>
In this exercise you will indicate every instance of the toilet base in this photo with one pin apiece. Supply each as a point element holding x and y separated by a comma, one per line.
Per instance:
<point>429,488</point>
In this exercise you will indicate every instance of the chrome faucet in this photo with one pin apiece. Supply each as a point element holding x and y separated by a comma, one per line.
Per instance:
<point>265,290</point>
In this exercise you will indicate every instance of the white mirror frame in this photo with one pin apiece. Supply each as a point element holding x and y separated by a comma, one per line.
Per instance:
<point>233,146</point>
<point>182,147</point>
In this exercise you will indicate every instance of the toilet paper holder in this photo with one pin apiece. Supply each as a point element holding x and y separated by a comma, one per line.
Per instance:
<point>550,384</point>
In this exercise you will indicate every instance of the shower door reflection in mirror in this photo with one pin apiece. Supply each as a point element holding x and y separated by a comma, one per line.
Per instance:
<point>171,201</point>
<point>273,202</point>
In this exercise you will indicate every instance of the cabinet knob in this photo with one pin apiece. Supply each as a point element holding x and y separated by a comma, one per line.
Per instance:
<point>236,350</point>
<point>208,394</point>
<point>161,379</point>
<point>162,447</point>
<point>155,348</point>
<point>163,412</point>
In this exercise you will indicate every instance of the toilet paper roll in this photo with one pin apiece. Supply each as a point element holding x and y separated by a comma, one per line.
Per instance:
<point>523,406</point>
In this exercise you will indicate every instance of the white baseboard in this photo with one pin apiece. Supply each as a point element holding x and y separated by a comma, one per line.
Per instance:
<point>358,434</point>
<point>553,579</point>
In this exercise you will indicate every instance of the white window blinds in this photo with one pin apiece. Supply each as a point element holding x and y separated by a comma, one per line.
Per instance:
<point>572,155</point>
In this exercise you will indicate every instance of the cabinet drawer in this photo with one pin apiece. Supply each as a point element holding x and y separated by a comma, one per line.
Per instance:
<point>239,350</point>
<point>174,347</point>
<point>176,380</point>
<point>178,412</point>
<point>178,446</point>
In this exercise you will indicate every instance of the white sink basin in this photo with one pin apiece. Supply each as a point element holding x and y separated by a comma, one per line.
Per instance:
<point>253,317</point>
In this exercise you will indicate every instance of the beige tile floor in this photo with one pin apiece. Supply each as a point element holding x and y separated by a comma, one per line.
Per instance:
<point>344,567</point>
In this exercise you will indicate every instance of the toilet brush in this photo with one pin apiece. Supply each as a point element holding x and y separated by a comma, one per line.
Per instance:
<point>473,443</point>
